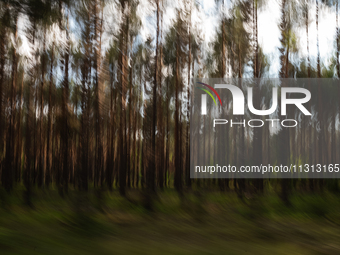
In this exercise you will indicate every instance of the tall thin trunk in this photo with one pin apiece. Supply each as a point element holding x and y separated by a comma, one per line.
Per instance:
<point>134,142</point>
<point>85,97</point>
<point>152,172</point>
<point>257,139</point>
<point>2,68</point>
<point>307,36</point>
<point>178,169</point>
<point>167,146</point>
<point>139,127</point>
<point>122,128</point>
<point>320,136</point>
<point>310,133</point>
<point>187,160</point>
<point>241,156</point>
<point>17,133</point>
<point>65,130</point>
<point>27,169</point>
<point>7,174</point>
<point>337,38</point>
<point>19,138</point>
<point>338,69</point>
<point>98,122</point>
<point>140,143</point>
<point>35,131</point>
<point>317,40</point>
<point>129,158</point>
<point>49,123</point>
<point>223,48</point>
<point>110,134</point>
<point>160,114</point>
<point>41,154</point>
<point>283,135</point>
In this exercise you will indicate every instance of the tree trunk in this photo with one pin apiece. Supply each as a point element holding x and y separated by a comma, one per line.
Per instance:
<point>41,154</point>
<point>317,40</point>
<point>2,68</point>
<point>178,172</point>
<point>122,129</point>
<point>187,160</point>
<point>7,172</point>
<point>49,123</point>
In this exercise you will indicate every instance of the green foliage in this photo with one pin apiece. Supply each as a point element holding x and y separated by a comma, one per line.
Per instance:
<point>262,225</point>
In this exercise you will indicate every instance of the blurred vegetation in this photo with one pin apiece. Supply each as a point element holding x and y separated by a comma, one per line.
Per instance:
<point>218,223</point>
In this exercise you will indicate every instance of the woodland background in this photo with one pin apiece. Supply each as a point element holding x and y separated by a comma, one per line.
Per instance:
<point>94,131</point>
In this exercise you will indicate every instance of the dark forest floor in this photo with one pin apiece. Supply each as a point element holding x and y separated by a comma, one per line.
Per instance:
<point>204,223</point>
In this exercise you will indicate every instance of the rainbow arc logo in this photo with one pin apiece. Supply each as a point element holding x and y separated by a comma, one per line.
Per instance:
<point>208,92</point>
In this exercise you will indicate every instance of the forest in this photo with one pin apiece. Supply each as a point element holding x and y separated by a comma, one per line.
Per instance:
<point>95,110</point>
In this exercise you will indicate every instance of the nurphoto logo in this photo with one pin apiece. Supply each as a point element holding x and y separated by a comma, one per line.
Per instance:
<point>238,121</point>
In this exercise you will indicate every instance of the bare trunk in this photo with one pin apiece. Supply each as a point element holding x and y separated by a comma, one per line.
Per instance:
<point>41,154</point>
<point>317,40</point>
<point>122,128</point>
<point>49,123</point>
<point>178,171</point>
<point>187,160</point>
<point>129,158</point>
<point>7,172</point>
<point>2,68</point>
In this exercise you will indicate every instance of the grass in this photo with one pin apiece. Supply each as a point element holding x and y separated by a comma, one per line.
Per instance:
<point>211,223</point>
